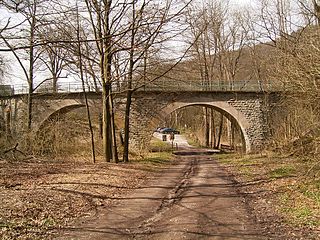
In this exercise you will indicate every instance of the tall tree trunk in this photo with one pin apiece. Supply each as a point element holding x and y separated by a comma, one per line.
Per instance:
<point>220,131</point>
<point>207,127</point>
<point>114,150</point>
<point>105,110</point>
<point>54,84</point>
<point>111,143</point>
<point>230,128</point>
<point>213,130</point>
<point>129,87</point>
<point>30,104</point>
<point>317,11</point>
<point>31,68</point>
<point>110,138</point>
<point>105,124</point>
<point>84,91</point>
<point>127,127</point>
<point>101,27</point>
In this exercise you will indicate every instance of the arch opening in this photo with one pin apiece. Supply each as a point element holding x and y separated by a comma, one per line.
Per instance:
<point>56,114</point>
<point>65,132</point>
<point>229,112</point>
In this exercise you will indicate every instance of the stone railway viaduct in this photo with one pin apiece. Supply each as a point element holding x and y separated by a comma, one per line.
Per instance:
<point>249,109</point>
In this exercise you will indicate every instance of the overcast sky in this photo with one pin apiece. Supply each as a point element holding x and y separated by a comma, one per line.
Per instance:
<point>19,78</point>
<point>14,72</point>
<point>241,2</point>
<point>246,3</point>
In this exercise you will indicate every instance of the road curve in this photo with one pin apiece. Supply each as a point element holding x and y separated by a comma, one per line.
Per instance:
<point>192,199</point>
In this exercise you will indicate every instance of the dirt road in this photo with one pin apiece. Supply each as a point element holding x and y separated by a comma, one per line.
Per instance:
<point>192,199</point>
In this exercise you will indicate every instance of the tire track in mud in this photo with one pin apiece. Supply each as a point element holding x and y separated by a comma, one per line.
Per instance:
<point>174,196</point>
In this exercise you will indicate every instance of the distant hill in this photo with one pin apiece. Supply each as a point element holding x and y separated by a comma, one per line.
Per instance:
<point>252,66</point>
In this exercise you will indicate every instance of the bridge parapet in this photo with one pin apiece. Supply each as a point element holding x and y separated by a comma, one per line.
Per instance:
<point>163,84</point>
<point>6,90</point>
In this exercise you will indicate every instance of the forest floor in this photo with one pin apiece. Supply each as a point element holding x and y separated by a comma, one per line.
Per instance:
<point>39,196</point>
<point>282,191</point>
<point>191,197</point>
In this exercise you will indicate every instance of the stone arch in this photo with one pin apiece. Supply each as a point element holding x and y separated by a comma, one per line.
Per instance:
<point>56,112</point>
<point>228,110</point>
<point>50,108</point>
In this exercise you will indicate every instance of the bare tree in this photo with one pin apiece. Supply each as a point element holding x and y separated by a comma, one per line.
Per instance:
<point>53,56</point>
<point>145,29</point>
<point>218,50</point>
<point>124,34</point>
<point>106,22</point>
<point>292,30</point>
<point>84,89</point>
<point>316,5</point>
<point>2,69</point>
<point>23,36</point>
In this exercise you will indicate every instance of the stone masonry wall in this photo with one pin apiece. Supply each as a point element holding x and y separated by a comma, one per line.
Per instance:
<point>251,105</point>
<point>253,111</point>
<point>149,108</point>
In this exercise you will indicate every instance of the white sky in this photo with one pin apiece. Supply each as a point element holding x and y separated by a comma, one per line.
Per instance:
<point>14,75</point>
<point>241,2</point>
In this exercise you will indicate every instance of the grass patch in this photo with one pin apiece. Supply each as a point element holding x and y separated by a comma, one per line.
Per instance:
<point>298,212</point>
<point>160,154</point>
<point>156,145</point>
<point>194,142</point>
<point>157,158</point>
<point>238,160</point>
<point>282,172</point>
<point>311,190</point>
<point>247,172</point>
<point>225,157</point>
<point>302,215</point>
<point>192,138</point>
<point>294,192</point>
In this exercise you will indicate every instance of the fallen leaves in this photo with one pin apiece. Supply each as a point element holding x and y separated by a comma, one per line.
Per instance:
<point>39,197</point>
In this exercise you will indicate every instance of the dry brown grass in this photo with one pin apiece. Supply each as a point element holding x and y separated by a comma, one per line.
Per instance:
<point>40,196</point>
<point>284,191</point>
